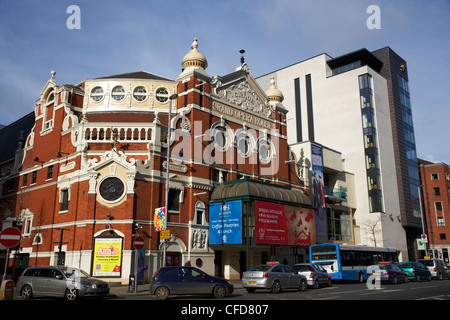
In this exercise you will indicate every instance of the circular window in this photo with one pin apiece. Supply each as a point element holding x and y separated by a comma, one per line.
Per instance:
<point>265,151</point>
<point>112,189</point>
<point>220,138</point>
<point>244,146</point>
<point>140,93</point>
<point>162,94</point>
<point>97,94</point>
<point>118,93</point>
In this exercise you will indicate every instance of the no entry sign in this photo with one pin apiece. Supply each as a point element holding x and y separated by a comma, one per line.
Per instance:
<point>138,243</point>
<point>10,237</point>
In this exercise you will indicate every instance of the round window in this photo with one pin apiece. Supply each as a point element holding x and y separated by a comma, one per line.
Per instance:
<point>162,94</point>
<point>244,146</point>
<point>112,189</point>
<point>140,93</point>
<point>265,152</point>
<point>118,93</point>
<point>97,94</point>
<point>220,138</point>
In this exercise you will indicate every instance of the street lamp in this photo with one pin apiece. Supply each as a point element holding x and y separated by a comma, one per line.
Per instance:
<point>172,97</point>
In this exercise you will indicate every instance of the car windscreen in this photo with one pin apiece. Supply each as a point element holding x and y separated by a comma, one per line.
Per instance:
<point>406,265</point>
<point>428,263</point>
<point>76,273</point>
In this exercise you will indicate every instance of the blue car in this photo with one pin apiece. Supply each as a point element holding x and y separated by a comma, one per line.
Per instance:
<point>188,280</point>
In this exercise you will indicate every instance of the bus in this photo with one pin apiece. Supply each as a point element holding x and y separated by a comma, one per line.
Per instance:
<point>347,262</point>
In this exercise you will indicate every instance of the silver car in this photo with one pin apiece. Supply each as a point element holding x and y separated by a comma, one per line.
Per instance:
<point>67,282</point>
<point>274,278</point>
<point>314,273</point>
<point>437,268</point>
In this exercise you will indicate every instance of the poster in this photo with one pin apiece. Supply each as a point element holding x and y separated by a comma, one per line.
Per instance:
<point>318,191</point>
<point>160,219</point>
<point>107,257</point>
<point>284,225</point>
<point>225,222</point>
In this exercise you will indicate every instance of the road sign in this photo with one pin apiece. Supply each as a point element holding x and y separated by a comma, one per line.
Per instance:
<point>10,237</point>
<point>138,243</point>
<point>165,234</point>
<point>424,238</point>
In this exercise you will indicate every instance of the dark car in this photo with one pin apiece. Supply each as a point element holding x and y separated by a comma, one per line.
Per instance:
<point>188,280</point>
<point>387,272</point>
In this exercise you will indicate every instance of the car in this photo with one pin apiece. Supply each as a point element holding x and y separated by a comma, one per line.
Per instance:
<point>58,281</point>
<point>187,281</point>
<point>415,271</point>
<point>387,272</point>
<point>315,274</point>
<point>273,277</point>
<point>436,267</point>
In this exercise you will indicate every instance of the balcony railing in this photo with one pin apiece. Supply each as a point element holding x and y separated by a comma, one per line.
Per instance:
<point>336,194</point>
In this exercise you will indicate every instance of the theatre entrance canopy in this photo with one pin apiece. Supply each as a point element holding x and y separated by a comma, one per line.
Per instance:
<point>252,212</point>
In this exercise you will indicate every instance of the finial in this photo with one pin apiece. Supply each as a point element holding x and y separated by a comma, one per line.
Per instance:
<point>194,45</point>
<point>242,51</point>
<point>53,74</point>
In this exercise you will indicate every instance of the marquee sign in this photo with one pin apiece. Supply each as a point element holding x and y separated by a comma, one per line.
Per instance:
<point>243,116</point>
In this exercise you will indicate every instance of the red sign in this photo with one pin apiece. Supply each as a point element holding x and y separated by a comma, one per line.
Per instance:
<point>10,237</point>
<point>283,224</point>
<point>138,243</point>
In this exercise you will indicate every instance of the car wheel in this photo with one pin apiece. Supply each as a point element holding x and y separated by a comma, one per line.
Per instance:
<point>162,293</point>
<point>429,277</point>
<point>329,282</point>
<point>316,284</point>
<point>303,285</point>
<point>276,287</point>
<point>395,280</point>
<point>71,294</point>
<point>26,292</point>
<point>219,291</point>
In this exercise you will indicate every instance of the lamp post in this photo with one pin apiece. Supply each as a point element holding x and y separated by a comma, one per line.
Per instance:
<point>169,125</point>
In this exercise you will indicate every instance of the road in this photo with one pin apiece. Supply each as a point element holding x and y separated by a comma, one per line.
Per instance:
<point>424,290</point>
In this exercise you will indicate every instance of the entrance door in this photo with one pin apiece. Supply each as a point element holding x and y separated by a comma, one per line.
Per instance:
<point>173,259</point>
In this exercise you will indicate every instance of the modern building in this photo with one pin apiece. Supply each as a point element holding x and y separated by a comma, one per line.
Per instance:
<point>358,103</point>
<point>107,156</point>
<point>435,195</point>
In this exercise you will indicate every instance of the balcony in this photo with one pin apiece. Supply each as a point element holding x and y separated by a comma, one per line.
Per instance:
<point>335,195</point>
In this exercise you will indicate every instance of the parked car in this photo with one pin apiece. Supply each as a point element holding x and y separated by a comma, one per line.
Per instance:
<point>437,268</point>
<point>315,274</point>
<point>387,272</point>
<point>274,278</point>
<point>188,280</point>
<point>68,282</point>
<point>415,271</point>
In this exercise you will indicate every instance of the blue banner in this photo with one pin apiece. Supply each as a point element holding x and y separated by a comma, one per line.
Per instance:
<point>225,222</point>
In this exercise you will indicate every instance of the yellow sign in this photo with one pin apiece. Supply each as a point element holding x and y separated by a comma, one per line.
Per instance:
<point>107,257</point>
<point>165,234</point>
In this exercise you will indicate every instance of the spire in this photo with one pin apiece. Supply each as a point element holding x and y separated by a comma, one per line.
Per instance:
<point>194,58</point>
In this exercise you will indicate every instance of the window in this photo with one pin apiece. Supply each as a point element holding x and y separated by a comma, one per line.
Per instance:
<point>112,189</point>
<point>220,138</point>
<point>174,200</point>
<point>435,176</point>
<point>437,191</point>
<point>440,222</point>
<point>33,177</point>
<point>64,200</point>
<point>97,94</point>
<point>25,180</point>
<point>49,172</point>
<point>264,151</point>
<point>438,205</point>
<point>118,93</point>
<point>162,95</point>
<point>442,236</point>
<point>140,93</point>
<point>244,146</point>
<point>199,214</point>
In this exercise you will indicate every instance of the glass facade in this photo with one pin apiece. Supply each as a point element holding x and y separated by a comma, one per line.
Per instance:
<point>410,145</point>
<point>370,145</point>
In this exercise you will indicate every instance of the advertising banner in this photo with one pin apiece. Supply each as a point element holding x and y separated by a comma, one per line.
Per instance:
<point>160,219</point>
<point>225,222</point>
<point>318,191</point>
<point>284,225</point>
<point>107,257</point>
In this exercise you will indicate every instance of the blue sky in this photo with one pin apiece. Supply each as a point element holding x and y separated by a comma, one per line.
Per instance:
<point>125,36</point>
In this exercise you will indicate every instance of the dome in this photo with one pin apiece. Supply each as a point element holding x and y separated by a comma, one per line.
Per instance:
<point>273,93</point>
<point>194,58</point>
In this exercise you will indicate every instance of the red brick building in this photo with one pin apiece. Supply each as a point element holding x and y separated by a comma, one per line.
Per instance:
<point>435,181</point>
<point>93,170</point>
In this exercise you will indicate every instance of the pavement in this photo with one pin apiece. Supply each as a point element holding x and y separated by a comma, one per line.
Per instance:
<point>143,289</point>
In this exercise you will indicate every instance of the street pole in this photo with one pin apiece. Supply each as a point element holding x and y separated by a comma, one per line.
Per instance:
<point>166,209</point>
<point>421,217</point>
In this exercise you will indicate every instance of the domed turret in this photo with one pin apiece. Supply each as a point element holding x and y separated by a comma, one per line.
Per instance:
<point>194,58</point>
<point>273,93</point>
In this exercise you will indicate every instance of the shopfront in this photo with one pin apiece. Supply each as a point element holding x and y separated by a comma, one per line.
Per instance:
<point>252,222</point>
